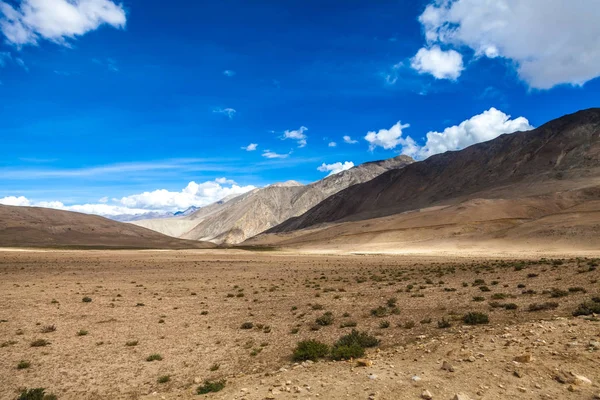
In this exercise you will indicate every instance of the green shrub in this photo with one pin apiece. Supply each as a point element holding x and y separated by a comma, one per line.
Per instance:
<point>164,379</point>
<point>247,325</point>
<point>379,312</point>
<point>325,319</point>
<point>363,339</point>
<point>23,364</point>
<point>587,308</point>
<point>549,305</point>
<point>154,357</point>
<point>40,343</point>
<point>35,394</point>
<point>310,350</point>
<point>444,323</point>
<point>342,352</point>
<point>384,324</point>
<point>87,299</point>
<point>211,387</point>
<point>556,293</point>
<point>476,318</point>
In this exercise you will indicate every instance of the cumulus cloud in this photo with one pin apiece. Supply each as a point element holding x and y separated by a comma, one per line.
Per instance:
<point>272,154</point>
<point>387,138</point>
<point>349,140</point>
<point>332,144</point>
<point>479,128</point>
<point>335,168</point>
<point>228,112</point>
<point>551,42</point>
<point>250,147</point>
<point>437,62</point>
<point>56,20</point>
<point>194,194</point>
<point>297,134</point>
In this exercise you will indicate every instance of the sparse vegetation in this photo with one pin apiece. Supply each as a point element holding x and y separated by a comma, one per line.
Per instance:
<point>154,357</point>
<point>211,387</point>
<point>476,318</point>
<point>35,394</point>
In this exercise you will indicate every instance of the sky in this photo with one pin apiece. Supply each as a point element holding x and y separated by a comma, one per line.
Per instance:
<point>126,107</point>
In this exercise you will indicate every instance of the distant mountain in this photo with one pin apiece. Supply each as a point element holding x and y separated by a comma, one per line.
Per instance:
<point>562,155</point>
<point>44,227</point>
<point>153,215</point>
<point>235,220</point>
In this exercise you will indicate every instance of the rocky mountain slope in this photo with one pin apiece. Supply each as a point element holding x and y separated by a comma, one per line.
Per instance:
<point>561,155</point>
<point>44,227</point>
<point>235,220</point>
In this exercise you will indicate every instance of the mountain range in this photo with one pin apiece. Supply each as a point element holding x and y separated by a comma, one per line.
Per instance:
<point>535,189</point>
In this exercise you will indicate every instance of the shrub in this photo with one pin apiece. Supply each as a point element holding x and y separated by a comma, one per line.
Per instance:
<point>577,289</point>
<point>87,299</point>
<point>384,324</point>
<point>484,289</point>
<point>310,350</point>
<point>164,379</point>
<point>587,308</point>
<point>550,305</point>
<point>476,318</point>
<point>348,324</point>
<point>247,325</point>
<point>499,296</point>
<point>154,357</point>
<point>510,306</point>
<point>325,319</point>
<point>556,293</point>
<point>478,298</point>
<point>40,343</point>
<point>392,302</point>
<point>82,332</point>
<point>23,364</point>
<point>409,324</point>
<point>363,339</point>
<point>347,352</point>
<point>444,323</point>
<point>379,312</point>
<point>131,343</point>
<point>211,387</point>
<point>35,394</point>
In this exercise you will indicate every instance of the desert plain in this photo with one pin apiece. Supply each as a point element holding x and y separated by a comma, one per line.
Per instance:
<point>143,324</point>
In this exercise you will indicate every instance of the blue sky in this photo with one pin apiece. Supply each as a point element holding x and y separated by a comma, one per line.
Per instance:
<point>123,104</point>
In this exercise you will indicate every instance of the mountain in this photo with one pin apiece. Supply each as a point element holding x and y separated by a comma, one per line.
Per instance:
<point>234,220</point>
<point>153,215</point>
<point>44,227</point>
<point>517,178</point>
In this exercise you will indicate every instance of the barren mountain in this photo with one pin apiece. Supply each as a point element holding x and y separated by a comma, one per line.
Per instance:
<point>561,155</point>
<point>44,227</point>
<point>245,216</point>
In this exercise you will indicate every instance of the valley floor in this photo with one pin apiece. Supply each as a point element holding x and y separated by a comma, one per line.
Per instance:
<point>189,308</point>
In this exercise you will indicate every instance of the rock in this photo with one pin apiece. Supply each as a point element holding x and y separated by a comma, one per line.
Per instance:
<point>426,395</point>
<point>518,374</point>
<point>362,362</point>
<point>372,376</point>
<point>563,377</point>
<point>416,378</point>
<point>523,358</point>
<point>471,359</point>
<point>521,389</point>
<point>461,396</point>
<point>446,366</point>
<point>594,345</point>
<point>580,380</point>
<point>275,392</point>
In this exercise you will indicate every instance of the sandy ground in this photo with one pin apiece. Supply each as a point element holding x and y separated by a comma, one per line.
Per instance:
<point>188,306</point>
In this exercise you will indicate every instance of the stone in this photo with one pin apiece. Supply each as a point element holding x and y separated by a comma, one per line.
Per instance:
<point>446,366</point>
<point>461,396</point>
<point>416,378</point>
<point>523,358</point>
<point>426,395</point>
<point>362,362</point>
<point>581,380</point>
<point>471,359</point>
<point>372,376</point>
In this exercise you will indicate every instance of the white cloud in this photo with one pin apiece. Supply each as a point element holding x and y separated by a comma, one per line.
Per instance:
<point>387,138</point>
<point>441,64</point>
<point>271,154</point>
<point>335,168</point>
<point>250,147</point>
<point>551,42</point>
<point>349,140</point>
<point>194,194</point>
<point>332,144</point>
<point>297,134</point>
<point>229,73</point>
<point>479,128</point>
<point>15,201</point>
<point>228,112</point>
<point>56,20</point>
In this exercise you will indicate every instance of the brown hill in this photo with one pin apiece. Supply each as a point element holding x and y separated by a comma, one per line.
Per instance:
<point>561,155</point>
<point>44,227</point>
